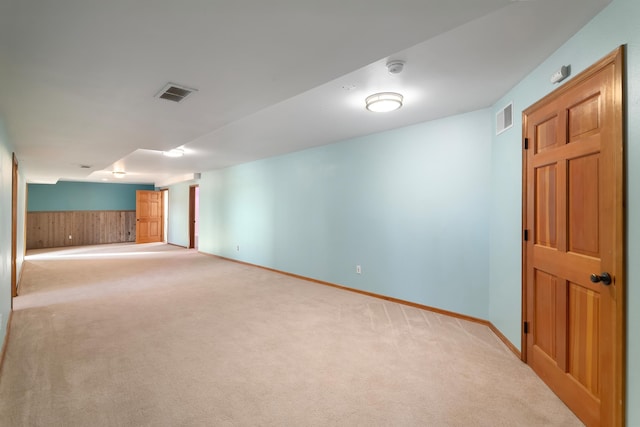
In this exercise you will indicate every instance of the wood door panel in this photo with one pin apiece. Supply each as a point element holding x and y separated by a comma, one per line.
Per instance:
<point>583,118</point>
<point>545,206</point>
<point>561,325</point>
<point>573,208</point>
<point>584,334</point>
<point>582,202</point>
<point>143,208</point>
<point>546,132</point>
<point>154,229</point>
<point>143,232</point>
<point>550,318</point>
<point>545,312</point>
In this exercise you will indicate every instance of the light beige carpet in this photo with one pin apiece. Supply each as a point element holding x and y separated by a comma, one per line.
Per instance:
<point>154,335</point>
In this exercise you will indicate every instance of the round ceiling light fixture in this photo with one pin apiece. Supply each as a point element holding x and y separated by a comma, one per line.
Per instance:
<point>176,152</point>
<point>119,174</point>
<point>384,102</point>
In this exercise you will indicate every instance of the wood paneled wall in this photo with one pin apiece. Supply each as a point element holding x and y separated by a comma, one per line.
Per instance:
<point>52,229</point>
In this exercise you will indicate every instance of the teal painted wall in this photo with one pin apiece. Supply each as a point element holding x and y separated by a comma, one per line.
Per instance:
<point>616,25</point>
<point>411,206</point>
<point>6,178</point>
<point>83,196</point>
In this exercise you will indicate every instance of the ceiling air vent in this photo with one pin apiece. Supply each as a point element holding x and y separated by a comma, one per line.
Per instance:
<point>504,119</point>
<point>174,92</point>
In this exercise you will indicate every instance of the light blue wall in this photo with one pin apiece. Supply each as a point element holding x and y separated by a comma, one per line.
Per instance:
<point>83,196</point>
<point>618,24</point>
<point>178,233</point>
<point>411,206</point>
<point>6,178</point>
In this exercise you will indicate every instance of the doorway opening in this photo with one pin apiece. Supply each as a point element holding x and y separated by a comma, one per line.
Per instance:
<point>194,207</point>
<point>165,210</point>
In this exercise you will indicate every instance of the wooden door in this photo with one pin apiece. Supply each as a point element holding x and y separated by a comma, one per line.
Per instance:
<point>573,219</point>
<point>149,216</point>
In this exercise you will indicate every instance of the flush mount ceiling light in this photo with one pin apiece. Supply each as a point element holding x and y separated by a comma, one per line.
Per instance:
<point>384,102</point>
<point>176,152</point>
<point>119,174</point>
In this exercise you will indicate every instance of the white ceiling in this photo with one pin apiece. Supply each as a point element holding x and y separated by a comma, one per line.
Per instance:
<point>78,77</point>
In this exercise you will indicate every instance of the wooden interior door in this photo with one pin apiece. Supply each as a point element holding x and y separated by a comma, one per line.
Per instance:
<point>149,216</point>
<point>573,216</point>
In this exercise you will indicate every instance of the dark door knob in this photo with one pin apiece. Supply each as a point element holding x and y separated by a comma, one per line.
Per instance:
<point>605,278</point>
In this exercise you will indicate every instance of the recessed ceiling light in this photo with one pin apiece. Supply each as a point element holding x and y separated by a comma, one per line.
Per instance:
<point>119,174</point>
<point>384,102</point>
<point>176,152</point>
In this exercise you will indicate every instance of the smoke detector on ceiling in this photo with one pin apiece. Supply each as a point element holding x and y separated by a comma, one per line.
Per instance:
<point>395,66</point>
<point>174,92</point>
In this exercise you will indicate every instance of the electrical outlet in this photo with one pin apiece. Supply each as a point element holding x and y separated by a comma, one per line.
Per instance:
<point>238,248</point>
<point>358,269</point>
<point>69,236</point>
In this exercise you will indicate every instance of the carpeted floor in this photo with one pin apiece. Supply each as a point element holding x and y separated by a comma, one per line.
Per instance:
<point>154,335</point>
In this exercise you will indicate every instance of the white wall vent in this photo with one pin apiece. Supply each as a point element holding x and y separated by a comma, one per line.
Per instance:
<point>504,119</point>
<point>174,92</point>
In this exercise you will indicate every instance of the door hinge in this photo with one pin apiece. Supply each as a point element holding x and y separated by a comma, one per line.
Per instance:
<point>526,235</point>
<point>526,143</point>
<point>525,327</point>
